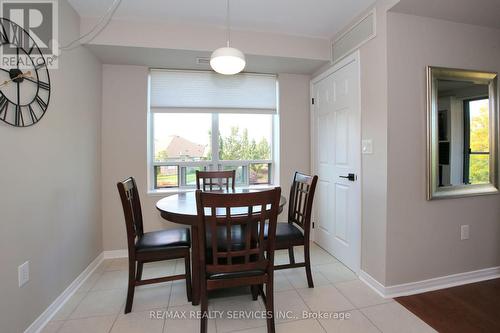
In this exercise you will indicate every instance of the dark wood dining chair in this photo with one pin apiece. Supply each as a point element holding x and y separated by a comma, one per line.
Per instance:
<point>146,247</point>
<point>243,258</point>
<point>296,231</point>
<point>215,180</point>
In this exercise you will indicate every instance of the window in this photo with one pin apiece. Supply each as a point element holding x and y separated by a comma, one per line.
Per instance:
<point>477,141</point>
<point>211,122</point>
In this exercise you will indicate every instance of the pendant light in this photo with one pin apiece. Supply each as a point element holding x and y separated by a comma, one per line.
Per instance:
<point>227,60</point>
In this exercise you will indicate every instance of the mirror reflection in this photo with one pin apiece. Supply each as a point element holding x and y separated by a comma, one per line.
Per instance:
<point>463,133</point>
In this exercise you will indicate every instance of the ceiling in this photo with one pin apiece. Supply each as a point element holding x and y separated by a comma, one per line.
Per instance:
<point>185,59</point>
<point>312,18</point>
<point>478,12</point>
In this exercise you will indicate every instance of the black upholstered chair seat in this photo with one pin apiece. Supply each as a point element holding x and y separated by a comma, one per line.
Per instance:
<point>164,239</point>
<point>288,232</point>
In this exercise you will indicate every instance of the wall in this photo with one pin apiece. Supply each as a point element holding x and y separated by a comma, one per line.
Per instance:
<point>424,236</point>
<point>50,188</point>
<point>173,36</point>
<point>373,72</point>
<point>295,144</point>
<point>124,142</point>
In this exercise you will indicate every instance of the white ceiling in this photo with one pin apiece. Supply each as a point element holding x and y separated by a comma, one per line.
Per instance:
<point>313,18</point>
<point>478,12</point>
<point>185,59</point>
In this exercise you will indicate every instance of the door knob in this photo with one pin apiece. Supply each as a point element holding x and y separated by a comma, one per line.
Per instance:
<point>351,177</point>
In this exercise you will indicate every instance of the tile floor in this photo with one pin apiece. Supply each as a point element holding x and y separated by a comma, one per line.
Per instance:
<point>98,305</point>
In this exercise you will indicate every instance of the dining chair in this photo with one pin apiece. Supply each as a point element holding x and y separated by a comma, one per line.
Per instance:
<point>215,180</point>
<point>229,259</point>
<point>147,247</point>
<point>296,231</point>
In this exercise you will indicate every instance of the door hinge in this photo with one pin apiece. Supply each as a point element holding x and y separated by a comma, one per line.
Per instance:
<point>313,225</point>
<point>312,101</point>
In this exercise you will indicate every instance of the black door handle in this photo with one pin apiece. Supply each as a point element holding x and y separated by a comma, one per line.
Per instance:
<point>351,177</point>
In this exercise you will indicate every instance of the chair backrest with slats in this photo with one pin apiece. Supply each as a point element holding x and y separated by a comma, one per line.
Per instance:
<point>215,180</point>
<point>131,204</point>
<point>249,214</point>
<point>301,200</point>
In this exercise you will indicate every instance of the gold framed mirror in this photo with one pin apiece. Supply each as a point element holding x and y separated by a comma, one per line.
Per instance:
<point>462,133</point>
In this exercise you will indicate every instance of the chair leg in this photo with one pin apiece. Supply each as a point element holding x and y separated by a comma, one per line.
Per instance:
<point>204,308</point>
<point>131,285</point>
<point>187,263</point>
<point>140,266</point>
<point>255,292</point>
<point>291,256</point>
<point>270,306</point>
<point>307,259</point>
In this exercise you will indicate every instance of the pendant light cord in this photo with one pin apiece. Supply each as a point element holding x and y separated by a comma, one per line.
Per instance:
<point>228,25</point>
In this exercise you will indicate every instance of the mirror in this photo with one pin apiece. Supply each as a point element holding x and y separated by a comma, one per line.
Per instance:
<point>462,133</point>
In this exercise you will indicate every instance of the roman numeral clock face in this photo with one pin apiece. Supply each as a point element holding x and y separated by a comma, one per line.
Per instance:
<point>24,77</point>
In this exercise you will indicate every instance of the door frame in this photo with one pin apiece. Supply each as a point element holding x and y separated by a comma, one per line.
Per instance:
<point>353,57</point>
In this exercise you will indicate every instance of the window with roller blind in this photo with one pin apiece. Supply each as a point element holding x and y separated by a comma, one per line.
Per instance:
<point>206,121</point>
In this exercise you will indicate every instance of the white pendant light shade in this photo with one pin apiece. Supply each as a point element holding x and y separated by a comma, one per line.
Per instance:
<point>227,60</point>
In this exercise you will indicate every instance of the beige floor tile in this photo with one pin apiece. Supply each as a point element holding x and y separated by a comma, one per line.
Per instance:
<point>190,324</point>
<point>335,272</point>
<point>151,297</point>
<point>86,325</point>
<point>297,277</point>
<point>118,264</point>
<point>281,283</point>
<point>355,323</point>
<point>100,303</point>
<point>104,265</point>
<point>111,280</point>
<point>68,307</point>
<point>180,267</point>
<point>138,322</point>
<point>360,294</point>
<point>288,306</point>
<point>236,311</point>
<point>52,327</point>
<point>159,269</point>
<point>299,326</point>
<point>178,294</point>
<point>325,298</point>
<point>393,317</point>
<point>89,282</point>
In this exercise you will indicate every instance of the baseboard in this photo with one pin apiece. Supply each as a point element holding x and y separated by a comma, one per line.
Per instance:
<point>419,287</point>
<point>114,254</point>
<point>372,283</point>
<point>47,315</point>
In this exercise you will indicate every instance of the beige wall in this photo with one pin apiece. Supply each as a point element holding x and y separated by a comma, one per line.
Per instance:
<point>424,237</point>
<point>373,72</point>
<point>50,188</point>
<point>295,144</point>
<point>124,142</point>
<point>174,36</point>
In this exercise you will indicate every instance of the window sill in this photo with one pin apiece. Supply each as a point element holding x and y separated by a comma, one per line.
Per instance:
<point>171,191</point>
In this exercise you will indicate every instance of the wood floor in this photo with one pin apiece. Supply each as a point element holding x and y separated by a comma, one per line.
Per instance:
<point>470,308</point>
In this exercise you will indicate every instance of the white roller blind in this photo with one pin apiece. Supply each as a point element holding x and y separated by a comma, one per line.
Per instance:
<point>208,90</point>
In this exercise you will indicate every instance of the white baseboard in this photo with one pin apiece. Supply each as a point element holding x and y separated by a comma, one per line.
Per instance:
<point>47,315</point>
<point>114,254</point>
<point>418,287</point>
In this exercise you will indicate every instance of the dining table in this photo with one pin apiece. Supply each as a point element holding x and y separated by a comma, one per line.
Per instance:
<point>181,208</point>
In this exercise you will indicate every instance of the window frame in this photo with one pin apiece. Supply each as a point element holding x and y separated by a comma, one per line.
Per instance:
<point>467,149</point>
<point>216,163</point>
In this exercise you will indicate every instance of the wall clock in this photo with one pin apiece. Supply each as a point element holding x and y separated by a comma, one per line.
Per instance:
<point>24,77</point>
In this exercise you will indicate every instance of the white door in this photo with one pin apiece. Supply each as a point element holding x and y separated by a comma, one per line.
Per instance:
<point>337,155</point>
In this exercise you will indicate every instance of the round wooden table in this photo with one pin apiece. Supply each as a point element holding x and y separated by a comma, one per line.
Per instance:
<point>181,208</point>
